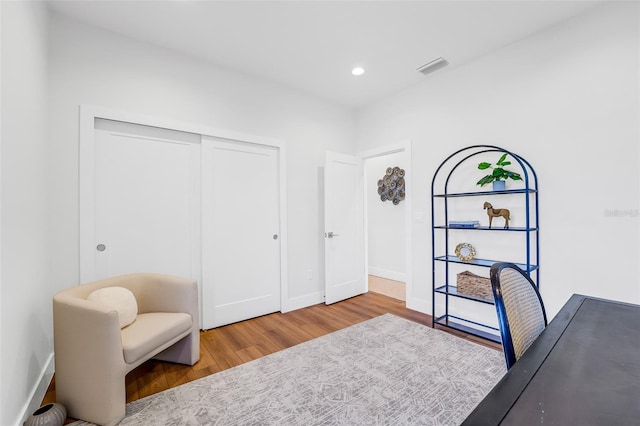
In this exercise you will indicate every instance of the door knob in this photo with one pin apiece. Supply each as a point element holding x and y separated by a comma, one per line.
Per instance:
<point>331,235</point>
<point>101,247</point>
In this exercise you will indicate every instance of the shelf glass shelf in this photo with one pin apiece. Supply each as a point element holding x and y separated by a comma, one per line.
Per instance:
<point>452,290</point>
<point>486,228</point>
<point>457,323</point>
<point>485,193</point>
<point>487,263</point>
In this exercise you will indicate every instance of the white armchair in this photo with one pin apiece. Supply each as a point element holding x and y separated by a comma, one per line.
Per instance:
<point>93,354</point>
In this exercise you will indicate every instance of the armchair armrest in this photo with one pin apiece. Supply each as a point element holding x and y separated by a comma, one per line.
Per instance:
<point>88,352</point>
<point>167,293</point>
<point>86,329</point>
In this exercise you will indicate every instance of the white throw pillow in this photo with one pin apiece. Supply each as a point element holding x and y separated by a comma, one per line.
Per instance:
<point>120,299</point>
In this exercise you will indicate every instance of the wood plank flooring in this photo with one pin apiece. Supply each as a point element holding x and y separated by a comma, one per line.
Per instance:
<point>234,344</point>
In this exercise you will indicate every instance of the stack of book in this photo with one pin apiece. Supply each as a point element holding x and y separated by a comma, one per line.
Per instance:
<point>464,223</point>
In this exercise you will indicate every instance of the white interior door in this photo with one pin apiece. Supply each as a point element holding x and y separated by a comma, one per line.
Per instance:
<point>241,236</point>
<point>344,244</point>
<point>146,202</point>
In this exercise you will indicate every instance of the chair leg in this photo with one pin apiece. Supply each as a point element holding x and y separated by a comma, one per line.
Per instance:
<point>185,351</point>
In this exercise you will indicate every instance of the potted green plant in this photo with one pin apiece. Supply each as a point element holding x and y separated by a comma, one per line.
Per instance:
<point>498,174</point>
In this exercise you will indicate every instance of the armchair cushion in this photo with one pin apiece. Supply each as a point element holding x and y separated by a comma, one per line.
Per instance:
<point>151,331</point>
<point>119,299</point>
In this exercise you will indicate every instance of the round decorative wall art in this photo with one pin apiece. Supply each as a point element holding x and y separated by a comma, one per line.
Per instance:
<point>392,186</point>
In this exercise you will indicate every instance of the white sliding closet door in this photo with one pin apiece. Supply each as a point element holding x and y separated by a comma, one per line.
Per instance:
<point>146,202</point>
<point>240,231</point>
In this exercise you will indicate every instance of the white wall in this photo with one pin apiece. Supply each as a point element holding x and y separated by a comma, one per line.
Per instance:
<point>26,287</point>
<point>566,99</point>
<point>386,222</point>
<point>92,66</point>
<point>1,134</point>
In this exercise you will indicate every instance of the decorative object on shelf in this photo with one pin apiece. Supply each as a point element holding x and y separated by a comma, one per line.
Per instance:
<point>474,285</point>
<point>465,252</point>
<point>497,213</point>
<point>48,415</point>
<point>392,185</point>
<point>464,224</point>
<point>498,175</point>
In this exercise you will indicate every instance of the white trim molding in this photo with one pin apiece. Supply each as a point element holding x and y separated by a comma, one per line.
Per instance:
<point>303,301</point>
<point>403,146</point>
<point>39,390</point>
<point>385,273</point>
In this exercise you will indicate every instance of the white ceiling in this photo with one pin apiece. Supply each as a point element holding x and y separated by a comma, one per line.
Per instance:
<point>313,45</point>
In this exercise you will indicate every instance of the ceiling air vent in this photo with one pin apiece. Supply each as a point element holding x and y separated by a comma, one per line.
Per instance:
<point>436,64</point>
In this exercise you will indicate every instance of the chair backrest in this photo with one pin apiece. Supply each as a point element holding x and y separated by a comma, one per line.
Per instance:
<point>521,313</point>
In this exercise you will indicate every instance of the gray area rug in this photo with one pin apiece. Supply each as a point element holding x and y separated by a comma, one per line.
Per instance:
<point>384,371</point>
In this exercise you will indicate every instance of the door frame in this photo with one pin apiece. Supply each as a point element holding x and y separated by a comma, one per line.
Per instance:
<point>86,174</point>
<point>404,146</point>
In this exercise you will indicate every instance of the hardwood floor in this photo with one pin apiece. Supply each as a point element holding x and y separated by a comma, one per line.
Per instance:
<point>234,344</point>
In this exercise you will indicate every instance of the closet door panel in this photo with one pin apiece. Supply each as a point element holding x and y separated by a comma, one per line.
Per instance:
<point>241,236</point>
<point>146,202</point>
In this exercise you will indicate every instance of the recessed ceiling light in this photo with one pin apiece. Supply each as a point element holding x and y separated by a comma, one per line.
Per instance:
<point>357,71</point>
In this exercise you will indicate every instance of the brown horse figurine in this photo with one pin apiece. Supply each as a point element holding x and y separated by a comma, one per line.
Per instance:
<point>497,213</point>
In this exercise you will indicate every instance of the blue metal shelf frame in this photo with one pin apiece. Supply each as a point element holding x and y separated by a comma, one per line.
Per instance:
<point>452,321</point>
<point>453,291</point>
<point>478,193</point>
<point>528,268</point>
<point>531,230</point>
<point>486,228</point>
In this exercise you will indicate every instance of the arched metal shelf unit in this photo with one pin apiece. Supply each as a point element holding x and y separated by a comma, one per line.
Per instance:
<point>443,288</point>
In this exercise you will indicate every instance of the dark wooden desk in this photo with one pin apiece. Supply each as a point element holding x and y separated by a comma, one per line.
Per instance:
<point>584,369</point>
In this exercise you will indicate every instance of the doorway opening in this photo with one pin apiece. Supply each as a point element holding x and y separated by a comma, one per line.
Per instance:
<point>388,225</point>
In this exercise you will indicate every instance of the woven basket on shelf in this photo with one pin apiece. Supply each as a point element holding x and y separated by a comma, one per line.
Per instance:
<point>474,285</point>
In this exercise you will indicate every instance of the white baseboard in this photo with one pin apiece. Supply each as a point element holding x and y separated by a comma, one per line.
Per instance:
<point>390,275</point>
<point>303,301</point>
<point>419,305</point>
<point>38,392</point>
